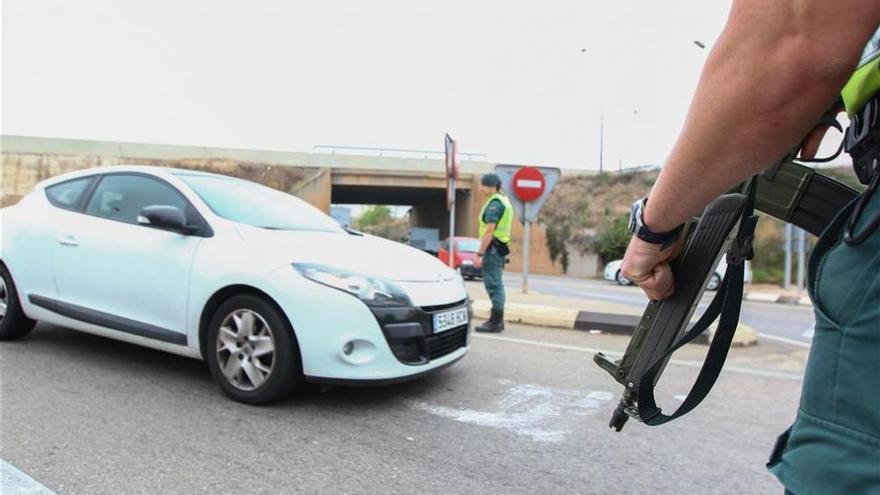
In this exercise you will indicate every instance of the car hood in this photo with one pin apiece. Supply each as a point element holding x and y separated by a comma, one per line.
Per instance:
<point>364,254</point>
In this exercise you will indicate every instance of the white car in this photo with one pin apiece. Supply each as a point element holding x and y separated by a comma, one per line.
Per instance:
<point>268,290</point>
<point>612,272</point>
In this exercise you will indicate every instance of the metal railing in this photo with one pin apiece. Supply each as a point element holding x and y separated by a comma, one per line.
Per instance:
<point>394,152</point>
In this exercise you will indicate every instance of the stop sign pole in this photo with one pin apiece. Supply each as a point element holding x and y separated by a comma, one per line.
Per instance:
<point>528,185</point>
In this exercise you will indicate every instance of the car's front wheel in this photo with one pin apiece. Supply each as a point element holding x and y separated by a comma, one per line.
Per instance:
<point>13,322</point>
<point>252,351</point>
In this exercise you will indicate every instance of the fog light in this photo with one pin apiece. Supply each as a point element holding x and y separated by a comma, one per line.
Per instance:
<point>348,348</point>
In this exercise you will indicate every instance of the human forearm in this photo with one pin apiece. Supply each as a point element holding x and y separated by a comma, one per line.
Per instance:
<point>768,80</point>
<point>486,240</point>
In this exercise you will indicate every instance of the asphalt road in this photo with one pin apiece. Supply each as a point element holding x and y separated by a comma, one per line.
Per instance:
<point>525,412</point>
<point>787,323</point>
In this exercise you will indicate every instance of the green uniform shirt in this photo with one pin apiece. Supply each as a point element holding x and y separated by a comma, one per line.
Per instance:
<point>494,211</point>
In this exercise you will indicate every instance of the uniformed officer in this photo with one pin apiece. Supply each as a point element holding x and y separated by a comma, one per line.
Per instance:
<point>777,67</point>
<point>496,221</point>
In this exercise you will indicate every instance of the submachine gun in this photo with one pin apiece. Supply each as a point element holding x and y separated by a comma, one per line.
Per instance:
<point>789,191</point>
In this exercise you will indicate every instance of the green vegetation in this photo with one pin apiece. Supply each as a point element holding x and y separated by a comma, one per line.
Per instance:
<point>378,220</point>
<point>612,238</point>
<point>589,214</point>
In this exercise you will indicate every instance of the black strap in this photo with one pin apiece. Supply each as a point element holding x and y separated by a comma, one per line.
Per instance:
<point>726,304</point>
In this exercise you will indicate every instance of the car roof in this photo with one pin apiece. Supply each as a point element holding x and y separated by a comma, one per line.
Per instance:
<point>144,169</point>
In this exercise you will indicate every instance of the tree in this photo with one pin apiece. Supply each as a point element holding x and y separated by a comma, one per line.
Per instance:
<point>377,220</point>
<point>613,237</point>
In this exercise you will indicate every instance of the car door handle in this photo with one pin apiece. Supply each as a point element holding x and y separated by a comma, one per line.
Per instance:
<point>68,240</point>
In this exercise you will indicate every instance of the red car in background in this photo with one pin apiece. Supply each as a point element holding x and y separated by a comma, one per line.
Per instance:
<point>465,256</point>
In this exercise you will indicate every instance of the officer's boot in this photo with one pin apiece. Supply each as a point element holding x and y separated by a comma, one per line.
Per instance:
<point>495,323</point>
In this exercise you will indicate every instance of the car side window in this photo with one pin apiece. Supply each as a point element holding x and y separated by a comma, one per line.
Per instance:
<point>67,195</point>
<point>122,197</point>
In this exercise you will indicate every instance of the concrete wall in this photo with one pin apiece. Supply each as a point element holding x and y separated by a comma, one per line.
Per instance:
<point>585,265</point>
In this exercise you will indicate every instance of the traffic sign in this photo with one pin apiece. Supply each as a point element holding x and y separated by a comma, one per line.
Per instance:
<point>506,172</point>
<point>451,147</point>
<point>452,168</point>
<point>528,184</point>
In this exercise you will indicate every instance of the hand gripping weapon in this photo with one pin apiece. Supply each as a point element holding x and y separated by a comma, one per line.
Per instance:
<point>791,192</point>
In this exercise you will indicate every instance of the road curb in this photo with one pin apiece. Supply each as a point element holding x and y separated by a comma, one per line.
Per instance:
<point>612,323</point>
<point>777,298</point>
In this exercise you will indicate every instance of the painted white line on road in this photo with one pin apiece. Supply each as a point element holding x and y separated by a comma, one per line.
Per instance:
<point>526,409</point>
<point>678,362</point>
<point>548,345</point>
<point>798,343</point>
<point>15,482</point>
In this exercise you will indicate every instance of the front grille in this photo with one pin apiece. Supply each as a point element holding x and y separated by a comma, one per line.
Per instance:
<point>410,333</point>
<point>444,343</point>
<point>442,307</point>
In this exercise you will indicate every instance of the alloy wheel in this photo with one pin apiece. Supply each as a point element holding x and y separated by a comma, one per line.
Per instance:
<point>4,298</point>
<point>245,349</point>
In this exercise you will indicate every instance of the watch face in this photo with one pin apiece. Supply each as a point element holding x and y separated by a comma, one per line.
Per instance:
<point>635,216</point>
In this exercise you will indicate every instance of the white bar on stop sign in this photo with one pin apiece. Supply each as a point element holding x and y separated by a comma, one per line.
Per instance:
<point>528,184</point>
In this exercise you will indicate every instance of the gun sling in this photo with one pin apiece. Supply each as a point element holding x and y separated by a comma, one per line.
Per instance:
<point>790,191</point>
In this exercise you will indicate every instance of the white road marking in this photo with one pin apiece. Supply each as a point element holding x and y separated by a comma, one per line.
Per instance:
<point>527,410</point>
<point>15,482</point>
<point>808,333</point>
<point>529,184</point>
<point>798,343</point>
<point>678,362</point>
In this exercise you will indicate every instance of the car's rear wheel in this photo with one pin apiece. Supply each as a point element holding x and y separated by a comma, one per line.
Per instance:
<point>13,322</point>
<point>621,279</point>
<point>252,351</point>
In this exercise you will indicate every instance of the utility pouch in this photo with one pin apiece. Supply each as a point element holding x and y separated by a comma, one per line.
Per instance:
<point>500,248</point>
<point>862,140</point>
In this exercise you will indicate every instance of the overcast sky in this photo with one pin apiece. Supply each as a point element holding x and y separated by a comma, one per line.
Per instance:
<point>523,82</point>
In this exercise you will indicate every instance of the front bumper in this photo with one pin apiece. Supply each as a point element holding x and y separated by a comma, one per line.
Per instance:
<point>328,322</point>
<point>410,332</point>
<point>470,271</point>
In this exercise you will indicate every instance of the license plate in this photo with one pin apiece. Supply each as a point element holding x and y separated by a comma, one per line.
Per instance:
<point>450,319</point>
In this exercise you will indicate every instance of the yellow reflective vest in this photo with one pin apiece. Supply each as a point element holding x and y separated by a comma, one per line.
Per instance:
<point>865,82</point>
<point>504,226</point>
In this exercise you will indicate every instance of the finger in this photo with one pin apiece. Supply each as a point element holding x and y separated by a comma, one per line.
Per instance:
<point>811,143</point>
<point>665,281</point>
<point>660,284</point>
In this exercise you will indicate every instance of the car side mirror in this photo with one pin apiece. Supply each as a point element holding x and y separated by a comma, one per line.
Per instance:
<point>164,217</point>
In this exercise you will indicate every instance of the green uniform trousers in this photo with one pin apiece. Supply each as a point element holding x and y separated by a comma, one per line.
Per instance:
<point>493,269</point>
<point>833,447</point>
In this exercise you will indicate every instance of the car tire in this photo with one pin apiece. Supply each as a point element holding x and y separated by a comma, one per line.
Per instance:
<point>621,280</point>
<point>714,282</point>
<point>14,324</point>
<point>252,351</point>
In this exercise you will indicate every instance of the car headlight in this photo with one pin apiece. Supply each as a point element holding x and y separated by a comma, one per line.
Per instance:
<point>372,291</point>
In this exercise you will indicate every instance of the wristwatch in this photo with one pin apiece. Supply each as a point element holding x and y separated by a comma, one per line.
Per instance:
<point>638,228</point>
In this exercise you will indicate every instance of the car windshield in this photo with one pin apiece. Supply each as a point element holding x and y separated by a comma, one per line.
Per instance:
<point>260,206</point>
<point>468,245</point>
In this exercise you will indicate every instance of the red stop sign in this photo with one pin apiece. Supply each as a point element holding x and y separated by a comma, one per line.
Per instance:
<point>528,184</point>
